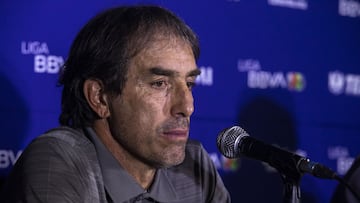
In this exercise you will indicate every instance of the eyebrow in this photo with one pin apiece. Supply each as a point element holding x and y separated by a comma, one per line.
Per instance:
<point>166,72</point>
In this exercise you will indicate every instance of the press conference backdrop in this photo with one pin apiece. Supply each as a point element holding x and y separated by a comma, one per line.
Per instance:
<point>287,71</point>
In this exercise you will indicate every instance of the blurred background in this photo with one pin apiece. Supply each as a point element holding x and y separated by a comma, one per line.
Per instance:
<point>287,71</point>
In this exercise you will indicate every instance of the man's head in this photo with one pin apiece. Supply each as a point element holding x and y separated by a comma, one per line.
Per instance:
<point>103,49</point>
<point>130,72</point>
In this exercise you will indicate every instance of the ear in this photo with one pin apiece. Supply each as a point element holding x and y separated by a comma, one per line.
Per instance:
<point>96,98</point>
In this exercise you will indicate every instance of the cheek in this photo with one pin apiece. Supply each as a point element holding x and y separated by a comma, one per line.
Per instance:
<point>152,103</point>
<point>139,120</point>
<point>151,110</point>
<point>141,107</point>
<point>147,110</point>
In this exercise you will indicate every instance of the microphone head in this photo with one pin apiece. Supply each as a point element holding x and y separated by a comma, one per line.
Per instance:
<point>228,141</point>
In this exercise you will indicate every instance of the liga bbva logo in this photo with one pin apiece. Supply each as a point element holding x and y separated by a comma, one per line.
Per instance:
<point>260,79</point>
<point>44,62</point>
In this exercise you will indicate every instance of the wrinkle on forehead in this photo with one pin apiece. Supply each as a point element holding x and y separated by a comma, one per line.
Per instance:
<point>166,42</point>
<point>163,44</point>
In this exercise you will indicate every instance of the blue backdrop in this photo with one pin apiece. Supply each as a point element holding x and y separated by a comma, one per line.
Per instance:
<point>287,71</point>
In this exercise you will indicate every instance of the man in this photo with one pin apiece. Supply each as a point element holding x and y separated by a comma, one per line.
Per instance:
<point>126,107</point>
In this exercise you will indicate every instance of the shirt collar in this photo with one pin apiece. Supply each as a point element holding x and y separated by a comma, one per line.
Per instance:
<point>118,182</point>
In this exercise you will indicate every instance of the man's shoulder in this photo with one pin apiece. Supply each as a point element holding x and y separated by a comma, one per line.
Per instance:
<point>58,147</point>
<point>62,160</point>
<point>64,134</point>
<point>60,142</point>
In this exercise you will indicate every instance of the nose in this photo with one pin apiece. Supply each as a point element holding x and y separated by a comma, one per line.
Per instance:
<point>182,101</point>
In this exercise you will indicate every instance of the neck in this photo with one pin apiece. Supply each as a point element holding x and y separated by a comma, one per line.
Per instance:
<point>141,172</point>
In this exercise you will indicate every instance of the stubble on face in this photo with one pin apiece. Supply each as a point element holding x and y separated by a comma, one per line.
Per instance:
<point>141,121</point>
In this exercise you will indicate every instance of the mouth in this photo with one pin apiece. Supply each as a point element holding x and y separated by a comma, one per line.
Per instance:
<point>177,134</point>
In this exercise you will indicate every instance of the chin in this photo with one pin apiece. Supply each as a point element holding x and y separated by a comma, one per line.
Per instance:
<point>173,159</point>
<point>178,160</point>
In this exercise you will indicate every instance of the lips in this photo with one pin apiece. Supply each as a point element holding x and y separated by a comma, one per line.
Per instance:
<point>177,133</point>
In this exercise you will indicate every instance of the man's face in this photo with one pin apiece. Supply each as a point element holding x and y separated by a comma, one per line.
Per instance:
<point>150,119</point>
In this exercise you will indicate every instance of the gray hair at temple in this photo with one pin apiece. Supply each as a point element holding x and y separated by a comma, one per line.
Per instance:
<point>103,48</point>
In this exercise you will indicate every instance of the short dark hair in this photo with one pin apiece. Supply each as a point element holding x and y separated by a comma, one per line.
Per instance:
<point>103,48</point>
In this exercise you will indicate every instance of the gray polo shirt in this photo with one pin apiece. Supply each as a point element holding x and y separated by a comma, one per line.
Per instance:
<point>121,187</point>
<point>180,184</point>
<point>72,165</point>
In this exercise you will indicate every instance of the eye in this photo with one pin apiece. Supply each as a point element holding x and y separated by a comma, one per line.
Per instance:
<point>159,84</point>
<point>191,85</point>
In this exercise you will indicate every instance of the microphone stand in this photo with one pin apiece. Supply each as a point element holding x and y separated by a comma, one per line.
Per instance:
<point>292,193</point>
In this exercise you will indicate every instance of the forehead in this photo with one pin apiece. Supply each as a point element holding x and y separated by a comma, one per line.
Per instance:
<point>161,44</point>
<point>167,52</point>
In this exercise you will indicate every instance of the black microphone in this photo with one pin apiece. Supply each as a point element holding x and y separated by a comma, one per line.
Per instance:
<point>234,142</point>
